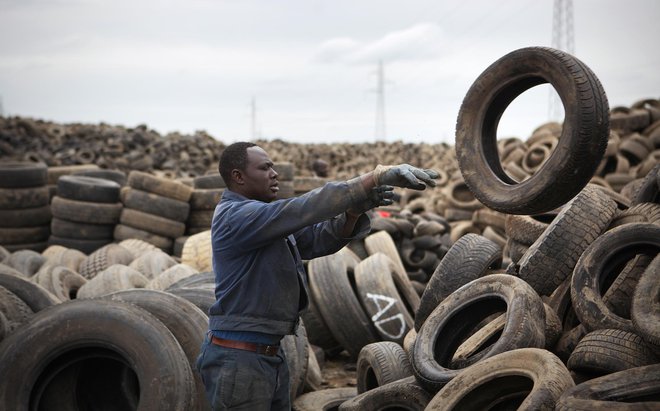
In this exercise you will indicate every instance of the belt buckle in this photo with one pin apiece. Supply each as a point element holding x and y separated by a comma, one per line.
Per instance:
<point>270,350</point>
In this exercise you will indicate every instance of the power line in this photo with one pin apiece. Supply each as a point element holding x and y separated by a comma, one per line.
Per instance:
<point>379,130</point>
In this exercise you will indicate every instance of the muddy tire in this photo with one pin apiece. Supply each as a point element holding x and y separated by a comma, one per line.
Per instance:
<point>553,255</point>
<point>606,351</point>
<point>468,259</point>
<point>524,379</point>
<point>404,394</point>
<point>580,147</point>
<point>15,174</point>
<point>187,323</point>
<point>464,309</point>
<point>155,204</point>
<point>103,258</point>
<point>644,311</point>
<point>161,186</point>
<point>91,189</point>
<point>342,312</point>
<point>24,197</point>
<point>381,363</point>
<point>117,277</point>
<point>633,389</point>
<point>25,217</point>
<point>327,399</point>
<point>628,239</point>
<point>85,212</point>
<point>125,232</point>
<point>152,223</point>
<point>81,231</point>
<point>33,355</point>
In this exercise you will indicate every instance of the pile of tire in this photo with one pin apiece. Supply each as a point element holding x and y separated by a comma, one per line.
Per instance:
<point>155,210</point>
<point>561,319</point>
<point>24,206</point>
<point>206,195</point>
<point>85,212</point>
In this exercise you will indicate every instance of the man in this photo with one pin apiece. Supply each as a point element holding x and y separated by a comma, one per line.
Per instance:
<point>261,286</point>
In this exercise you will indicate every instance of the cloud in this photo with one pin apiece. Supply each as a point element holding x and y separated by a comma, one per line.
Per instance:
<point>420,42</point>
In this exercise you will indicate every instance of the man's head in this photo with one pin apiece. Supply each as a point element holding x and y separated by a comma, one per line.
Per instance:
<point>248,170</point>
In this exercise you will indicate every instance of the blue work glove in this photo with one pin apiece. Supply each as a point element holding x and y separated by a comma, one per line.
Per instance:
<point>377,196</point>
<point>405,175</point>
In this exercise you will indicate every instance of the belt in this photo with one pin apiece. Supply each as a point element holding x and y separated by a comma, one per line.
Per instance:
<point>262,349</point>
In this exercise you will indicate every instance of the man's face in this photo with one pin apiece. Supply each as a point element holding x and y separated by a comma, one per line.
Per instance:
<point>259,178</point>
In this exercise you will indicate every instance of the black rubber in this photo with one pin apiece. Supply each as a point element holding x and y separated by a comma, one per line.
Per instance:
<point>83,188</point>
<point>85,211</point>
<point>81,231</point>
<point>155,204</point>
<point>14,174</point>
<point>380,363</point>
<point>580,147</point>
<point>34,355</point>
<point>404,394</point>
<point>24,197</point>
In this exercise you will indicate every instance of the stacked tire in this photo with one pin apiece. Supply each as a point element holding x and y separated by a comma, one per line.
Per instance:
<point>205,196</point>
<point>85,212</point>
<point>155,210</point>
<point>24,209</point>
<point>285,171</point>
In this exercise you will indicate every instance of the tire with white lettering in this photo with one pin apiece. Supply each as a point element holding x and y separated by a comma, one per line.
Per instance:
<point>628,239</point>
<point>523,379</point>
<point>457,316</point>
<point>381,299</point>
<point>187,323</point>
<point>403,394</point>
<point>380,363</point>
<point>105,335</point>
<point>579,149</point>
<point>468,259</point>
<point>339,306</point>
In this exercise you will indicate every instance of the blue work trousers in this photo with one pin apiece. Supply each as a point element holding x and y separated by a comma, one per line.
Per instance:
<point>242,380</point>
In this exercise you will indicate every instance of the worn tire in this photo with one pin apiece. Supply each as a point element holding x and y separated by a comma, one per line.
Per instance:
<point>34,355</point>
<point>468,259</point>
<point>117,277</point>
<point>645,313</point>
<point>92,189</point>
<point>605,351</point>
<point>628,239</point>
<point>381,363</point>
<point>125,232</point>
<point>161,186</point>
<point>152,263</point>
<point>634,389</point>
<point>523,379</point>
<point>580,147</point>
<point>327,399</point>
<point>85,211</point>
<point>461,311</point>
<point>25,217</point>
<point>84,246</point>
<point>342,312</point>
<point>24,197</point>
<point>404,394</point>
<point>81,231</point>
<point>554,254</point>
<point>152,223</point>
<point>103,258</point>
<point>14,174</point>
<point>24,235</point>
<point>35,296</point>
<point>155,204</point>
<point>61,281</point>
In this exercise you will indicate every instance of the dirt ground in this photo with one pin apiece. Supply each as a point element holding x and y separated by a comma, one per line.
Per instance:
<point>339,372</point>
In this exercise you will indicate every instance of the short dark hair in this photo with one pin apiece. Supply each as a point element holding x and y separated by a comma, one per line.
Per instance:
<point>233,157</point>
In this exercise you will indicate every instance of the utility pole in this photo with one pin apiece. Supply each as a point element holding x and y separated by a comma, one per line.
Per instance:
<point>563,38</point>
<point>379,133</point>
<point>253,106</point>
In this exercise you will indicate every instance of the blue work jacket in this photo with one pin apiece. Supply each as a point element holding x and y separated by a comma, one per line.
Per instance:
<point>258,248</point>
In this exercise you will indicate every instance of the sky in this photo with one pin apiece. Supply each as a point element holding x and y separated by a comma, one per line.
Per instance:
<point>309,66</point>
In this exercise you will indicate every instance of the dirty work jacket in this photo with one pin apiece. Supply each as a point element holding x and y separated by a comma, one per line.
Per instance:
<point>260,281</point>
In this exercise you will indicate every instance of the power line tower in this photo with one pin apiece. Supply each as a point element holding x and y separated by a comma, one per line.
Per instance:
<point>563,38</point>
<point>379,131</point>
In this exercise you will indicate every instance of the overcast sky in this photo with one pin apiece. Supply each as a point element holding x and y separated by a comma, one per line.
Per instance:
<point>309,64</point>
